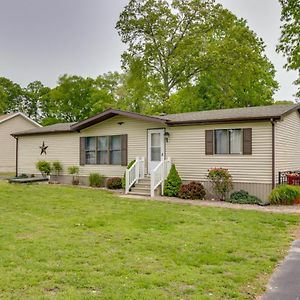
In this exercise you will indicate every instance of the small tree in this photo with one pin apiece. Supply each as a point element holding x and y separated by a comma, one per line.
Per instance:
<point>57,167</point>
<point>172,183</point>
<point>44,167</point>
<point>221,181</point>
<point>74,171</point>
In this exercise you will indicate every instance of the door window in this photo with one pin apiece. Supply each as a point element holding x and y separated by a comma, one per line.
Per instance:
<point>155,147</point>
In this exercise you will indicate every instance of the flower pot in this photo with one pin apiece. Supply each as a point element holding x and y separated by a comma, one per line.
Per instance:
<point>293,179</point>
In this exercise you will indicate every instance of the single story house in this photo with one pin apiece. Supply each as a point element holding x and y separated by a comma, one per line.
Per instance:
<point>253,143</point>
<point>10,123</point>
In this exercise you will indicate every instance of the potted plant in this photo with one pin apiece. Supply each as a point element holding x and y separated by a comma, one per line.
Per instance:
<point>74,171</point>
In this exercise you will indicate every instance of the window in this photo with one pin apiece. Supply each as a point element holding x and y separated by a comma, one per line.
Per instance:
<point>104,150</point>
<point>102,153</point>
<point>228,141</point>
<point>90,150</point>
<point>115,150</point>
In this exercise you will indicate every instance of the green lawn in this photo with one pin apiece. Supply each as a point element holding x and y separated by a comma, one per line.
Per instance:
<point>69,243</point>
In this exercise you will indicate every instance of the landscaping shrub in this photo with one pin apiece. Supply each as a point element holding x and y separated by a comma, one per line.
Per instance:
<point>21,176</point>
<point>284,195</point>
<point>243,197</point>
<point>114,183</point>
<point>172,183</point>
<point>193,190</point>
<point>124,177</point>
<point>57,167</point>
<point>96,180</point>
<point>221,182</point>
<point>44,167</point>
<point>74,171</point>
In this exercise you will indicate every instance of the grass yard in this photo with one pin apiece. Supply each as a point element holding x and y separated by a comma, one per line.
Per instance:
<point>69,243</point>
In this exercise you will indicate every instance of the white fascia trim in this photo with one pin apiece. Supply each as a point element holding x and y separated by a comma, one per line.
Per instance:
<point>22,115</point>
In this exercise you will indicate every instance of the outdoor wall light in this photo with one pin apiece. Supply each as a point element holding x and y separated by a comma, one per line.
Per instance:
<point>167,136</point>
<point>120,123</point>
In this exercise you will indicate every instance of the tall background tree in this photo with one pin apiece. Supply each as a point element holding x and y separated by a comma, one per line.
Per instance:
<point>290,39</point>
<point>198,49</point>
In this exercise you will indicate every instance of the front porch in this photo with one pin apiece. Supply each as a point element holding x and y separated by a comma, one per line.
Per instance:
<point>139,183</point>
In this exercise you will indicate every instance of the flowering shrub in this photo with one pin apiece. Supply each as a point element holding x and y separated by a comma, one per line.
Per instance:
<point>193,190</point>
<point>221,181</point>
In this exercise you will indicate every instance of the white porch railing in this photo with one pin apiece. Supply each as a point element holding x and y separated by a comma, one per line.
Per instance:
<point>159,174</point>
<point>136,172</point>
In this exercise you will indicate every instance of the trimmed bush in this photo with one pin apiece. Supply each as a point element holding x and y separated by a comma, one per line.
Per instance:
<point>172,183</point>
<point>193,190</point>
<point>114,183</point>
<point>44,167</point>
<point>74,171</point>
<point>284,195</point>
<point>243,197</point>
<point>57,167</point>
<point>124,177</point>
<point>221,181</point>
<point>96,180</point>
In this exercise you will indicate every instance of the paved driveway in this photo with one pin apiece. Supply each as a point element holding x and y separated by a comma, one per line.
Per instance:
<point>285,282</point>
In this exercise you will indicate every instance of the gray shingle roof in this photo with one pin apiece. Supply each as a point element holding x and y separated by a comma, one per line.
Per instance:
<point>247,113</point>
<point>59,127</point>
<point>212,116</point>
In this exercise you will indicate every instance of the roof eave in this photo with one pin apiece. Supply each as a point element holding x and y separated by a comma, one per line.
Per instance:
<point>17,134</point>
<point>222,121</point>
<point>112,113</point>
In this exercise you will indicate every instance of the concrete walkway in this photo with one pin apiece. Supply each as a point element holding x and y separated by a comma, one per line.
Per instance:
<point>295,209</point>
<point>285,282</point>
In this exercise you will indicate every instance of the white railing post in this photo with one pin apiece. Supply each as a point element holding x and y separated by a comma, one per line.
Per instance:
<point>152,185</point>
<point>159,174</point>
<point>162,178</point>
<point>142,176</point>
<point>137,169</point>
<point>126,181</point>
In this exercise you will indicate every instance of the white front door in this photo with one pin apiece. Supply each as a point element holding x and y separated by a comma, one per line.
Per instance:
<point>156,148</point>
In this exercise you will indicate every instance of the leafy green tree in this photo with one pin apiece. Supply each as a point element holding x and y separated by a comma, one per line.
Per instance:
<point>11,95</point>
<point>289,42</point>
<point>34,96</point>
<point>182,42</point>
<point>76,98</point>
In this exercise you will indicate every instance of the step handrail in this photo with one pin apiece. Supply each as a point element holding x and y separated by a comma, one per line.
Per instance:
<point>159,175</point>
<point>134,173</point>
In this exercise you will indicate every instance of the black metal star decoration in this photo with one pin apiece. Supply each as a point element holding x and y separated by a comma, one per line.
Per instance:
<point>43,149</point>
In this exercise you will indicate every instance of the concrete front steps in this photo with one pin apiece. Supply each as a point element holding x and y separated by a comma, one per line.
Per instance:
<point>142,188</point>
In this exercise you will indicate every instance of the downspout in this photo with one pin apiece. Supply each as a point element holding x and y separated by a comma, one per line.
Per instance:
<point>273,153</point>
<point>17,155</point>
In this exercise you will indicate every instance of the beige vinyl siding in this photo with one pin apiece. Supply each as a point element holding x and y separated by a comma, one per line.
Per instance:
<point>137,141</point>
<point>8,143</point>
<point>65,146</point>
<point>186,148</point>
<point>287,141</point>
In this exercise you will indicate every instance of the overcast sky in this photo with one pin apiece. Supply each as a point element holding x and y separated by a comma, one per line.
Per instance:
<point>42,39</point>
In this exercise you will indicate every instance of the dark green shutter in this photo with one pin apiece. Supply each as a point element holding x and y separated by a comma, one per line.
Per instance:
<point>247,141</point>
<point>209,142</point>
<point>82,151</point>
<point>124,152</point>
